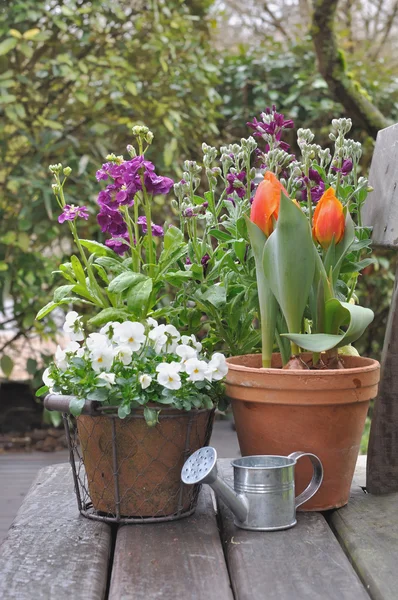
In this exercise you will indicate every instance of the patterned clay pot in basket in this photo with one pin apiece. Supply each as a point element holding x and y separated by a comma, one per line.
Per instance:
<point>124,470</point>
<point>149,460</point>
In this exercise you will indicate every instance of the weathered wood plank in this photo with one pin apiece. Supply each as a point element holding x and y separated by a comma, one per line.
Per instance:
<point>367,528</point>
<point>382,470</point>
<point>175,560</point>
<point>302,563</point>
<point>50,550</point>
<point>381,206</point>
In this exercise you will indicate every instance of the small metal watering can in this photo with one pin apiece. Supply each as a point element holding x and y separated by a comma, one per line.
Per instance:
<point>263,497</point>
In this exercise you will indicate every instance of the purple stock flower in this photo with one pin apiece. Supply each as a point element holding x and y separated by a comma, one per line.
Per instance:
<point>70,212</point>
<point>155,184</point>
<point>345,168</point>
<point>317,189</point>
<point>204,262</point>
<point>157,230</point>
<point>188,261</point>
<point>117,244</point>
<point>275,127</point>
<point>236,184</point>
<point>111,221</point>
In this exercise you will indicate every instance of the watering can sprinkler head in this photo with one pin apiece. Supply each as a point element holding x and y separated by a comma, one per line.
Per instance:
<point>201,467</point>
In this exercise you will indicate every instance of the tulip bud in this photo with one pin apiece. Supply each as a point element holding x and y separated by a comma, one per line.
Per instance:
<point>265,207</point>
<point>328,223</point>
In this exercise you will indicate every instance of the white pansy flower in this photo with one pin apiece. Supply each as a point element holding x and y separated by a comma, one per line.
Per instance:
<point>73,326</point>
<point>158,337</point>
<point>151,322</point>
<point>173,337</point>
<point>60,359</point>
<point>97,340</point>
<point>192,341</point>
<point>145,381</point>
<point>168,375</point>
<point>108,329</point>
<point>218,366</point>
<point>197,370</point>
<point>129,334</point>
<point>101,358</point>
<point>108,377</point>
<point>47,380</point>
<point>185,353</point>
<point>124,354</point>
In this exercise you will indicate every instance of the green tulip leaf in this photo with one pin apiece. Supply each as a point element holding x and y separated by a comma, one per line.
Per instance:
<point>337,314</point>
<point>289,262</point>
<point>266,299</point>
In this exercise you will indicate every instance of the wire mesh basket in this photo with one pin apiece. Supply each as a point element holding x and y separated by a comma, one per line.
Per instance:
<point>127,472</point>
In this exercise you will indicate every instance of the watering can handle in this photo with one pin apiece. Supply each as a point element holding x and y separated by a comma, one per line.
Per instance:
<point>316,480</point>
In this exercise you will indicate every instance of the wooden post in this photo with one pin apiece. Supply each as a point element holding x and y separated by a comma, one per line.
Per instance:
<point>381,212</point>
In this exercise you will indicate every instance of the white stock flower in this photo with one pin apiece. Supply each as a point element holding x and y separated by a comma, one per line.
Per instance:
<point>129,334</point>
<point>47,380</point>
<point>168,375</point>
<point>96,341</point>
<point>185,353</point>
<point>191,340</point>
<point>124,354</point>
<point>145,381</point>
<point>73,326</point>
<point>151,322</point>
<point>108,377</point>
<point>218,366</point>
<point>197,370</point>
<point>101,359</point>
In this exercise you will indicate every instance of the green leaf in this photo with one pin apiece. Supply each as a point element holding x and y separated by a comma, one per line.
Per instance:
<point>177,278</point>
<point>138,296</point>
<point>151,416</point>
<point>173,237</point>
<point>7,365</point>
<point>31,366</point>
<point>78,270</point>
<point>344,246</point>
<point>97,248</point>
<point>112,264</point>
<point>266,299</point>
<point>240,249</point>
<point>222,236</point>
<point>46,310</point>
<point>98,395</point>
<point>107,315</point>
<point>289,262</point>
<point>337,314</point>
<point>41,391</point>
<point>7,45</point>
<point>124,281</point>
<point>216,295</point>
<point>62,292</point>
<point>76,406</point>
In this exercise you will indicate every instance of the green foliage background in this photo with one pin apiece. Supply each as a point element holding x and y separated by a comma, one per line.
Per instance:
<point>76,75</point>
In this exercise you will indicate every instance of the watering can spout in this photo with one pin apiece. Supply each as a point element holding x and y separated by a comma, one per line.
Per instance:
<point>201,467</point>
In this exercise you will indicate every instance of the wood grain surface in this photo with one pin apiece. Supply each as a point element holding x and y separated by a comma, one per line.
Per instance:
<point>305,562</point>
<point>50,551</point>
<point>181,560</point>
<point>367,529</point>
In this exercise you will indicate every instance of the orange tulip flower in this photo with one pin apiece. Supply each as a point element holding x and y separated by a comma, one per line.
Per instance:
<point>328,223</point>
<point>265,207</point>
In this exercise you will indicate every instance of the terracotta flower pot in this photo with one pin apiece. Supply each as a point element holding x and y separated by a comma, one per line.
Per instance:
<point>280,411</point>
<point>149,461</point>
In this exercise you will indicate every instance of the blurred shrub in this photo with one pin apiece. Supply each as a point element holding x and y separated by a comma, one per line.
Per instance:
<point>74,77</point>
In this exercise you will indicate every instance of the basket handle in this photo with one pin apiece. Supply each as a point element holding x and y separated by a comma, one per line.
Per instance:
<point>61,403</point>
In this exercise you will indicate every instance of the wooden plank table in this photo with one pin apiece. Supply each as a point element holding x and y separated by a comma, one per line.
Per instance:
<point>51,552</point>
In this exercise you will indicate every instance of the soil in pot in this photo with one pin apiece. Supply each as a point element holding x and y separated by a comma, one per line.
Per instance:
<point>149,461</point>
<point>322,411</point>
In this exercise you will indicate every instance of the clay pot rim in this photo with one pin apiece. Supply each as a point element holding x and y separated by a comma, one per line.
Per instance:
<point>370,365</point>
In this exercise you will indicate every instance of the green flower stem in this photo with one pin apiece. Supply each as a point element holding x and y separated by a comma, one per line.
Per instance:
<point>147,209</point>
<point>295,349</point>
<point>134,252</point>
